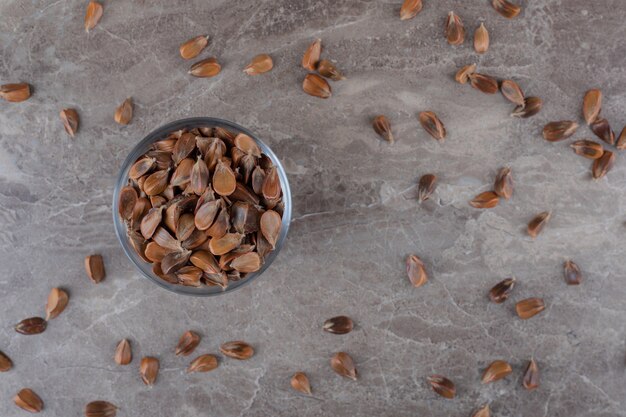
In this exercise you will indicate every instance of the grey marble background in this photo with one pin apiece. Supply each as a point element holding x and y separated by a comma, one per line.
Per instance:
<point>355,217</point>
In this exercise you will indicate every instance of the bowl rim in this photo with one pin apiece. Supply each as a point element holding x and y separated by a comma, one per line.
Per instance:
<point>122,179</point>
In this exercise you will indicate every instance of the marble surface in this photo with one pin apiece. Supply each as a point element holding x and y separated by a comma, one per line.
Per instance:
<point>355,215</point>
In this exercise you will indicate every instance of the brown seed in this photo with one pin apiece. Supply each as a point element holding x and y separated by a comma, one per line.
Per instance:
<point>245,217</point>
<point>410,9</point>
<point>506,9</point>
<point>226,243</point>
<point>426,186</point>
<point>338,325</point>
<point>94,265</point>
<point>532,106</point>
<point>149,370</point>
<point>70,120</point>
<point>271,185</point>
<point>621,140</point>
<point>199,177</point>
<point>442,386</point>
<point>183,147</point>
<point>529,307</point>
<point>602,129</point>
<point>270,226</point>
<point>206,262</point>
<point>462,75</point>
<point>481,39</point>
<point>151,221</point>
<point>260,64</point>
<point>531,376</point>
<point>5,363</point>
<point>138,243</point>
<point>312,55</point>
<point>57,301</point>
<point>182,173</point>
<point>100,409</point>
<point>224,181</point>
<point>572,273</point>
<point>206,68</point>
<point>588,149</point>
<point>237,350</point>
<point>556,131</point>
<point>416,271</point>
<point>175,260</point>
<point>185,226</point>
<point>343,364</point>
<point>15,92</point>
<point>27,400</point>
<point>329,70</point>
<point>247,145</point>
<point>193,47</point>
<point>249,262</point>
<point>603,165</point>
<point>205,216</point>
<point>124,112</point>
<point>187,343</point>
<point>203,363</point>
<point>92,15</point>
<point>512,92</point>
<point>190,276</point>
<point>592,104</point>
<point>163,238</point>
<point>501,291</point>
<point>141,167</point>
<point>536,225</point>
<point>482,411</point>
<point>220,226</point>
<point>30,326</point>
<point>432,125</point>
<point>503,186</point>
<point>485,200</point>
<point>127,201</point>
<point>454,29</point>
<point>484,83</point>
<point>300,382</point>
<point>123,352</point>
<point>156,183</point>
<point>316,86</point>
<point>383,127</point>
<point>495,371</point>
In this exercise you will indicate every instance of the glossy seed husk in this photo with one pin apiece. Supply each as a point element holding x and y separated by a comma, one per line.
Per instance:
<point>620,143</point>
<point>536,225</point>
<point>100,409</point>
<point>410,9</point>
<point>503,185</point>
<point>529,307</point>
<point>28,400</point>
<point>30,326</point>
<point>316,86</point>
<point>57,301</point>
<point>484,83</point>
<point>70,120</point>
<point>382,126</point>
<point>556,131</point>
<point>485,200</point>
<point>530,381</point>
<point>192,47</point>
<point>343,364</point>
<point>237,350</point>
<point>92,15</point>
<point>300,382</point>
<point>572,273</point>
<point>481,39</point>
<point>483,411</point>
<point>149,370</point>
<point>454,29</point>
<point>495,371</point>
<point>432,125</point>
<point>416,271</point>
<point>587,148</point>
<point>124,112</point>
<point>5,363</point>
<point>15,93</point>
<point>532,106</point>
<point>338,325</point>
<point>123,352</point>
<point>94,266</point>
<point>442,386</point>
<point>506,8</point>
<point>329,70</point>
<point>206,68</point>
<point>426,186</point>
<point>603,165</point>
<point>203,363</point>
<point>592,105</point>
<point>501,291</point>
<point>312,55</point>
<point>462,75</point>
<point>601,128</point>
<point>512,91</point>
<point>260,64</point>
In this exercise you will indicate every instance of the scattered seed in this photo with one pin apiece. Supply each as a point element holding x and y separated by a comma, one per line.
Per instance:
<point>260,64</point>
<point>312,55</point>
<point>329,70</point>
<point>621,140</point>
<point>495,371</point>
<point>124,112</point>
<point>93,15</point>
<point>454,29</point>
<point>501,291</point>
<point>603,165</point>
<point>601,128</point>
<point>512,92</point>
<point>237,350</point>
<point>410,9</point>
<point>556,131</point>
<point>382,126</point>
<point>532,106</point>
<point>343,364</point>
<point>484,83</point>
<point>503,186</point>
<point>416,271</point>
<point>70,120</point>
<point>588,149</point>
<point>529,307</point>
<point>481,39</point>
<point>149,370</point>
<point>572,273</point>
<point>531,376</point>
<point>536,225</point>
<point>5,363</point>
<point>100,409</point>
<point>592,104</point>
<point>206,68</point>
<point>432,125</point>
<point>15,92</point>
<point>506,9</point>
<point>485,200</point>
<point>28,400</point>
<point>462,75</point>
<point>94,265</point>
<point>442,386</point>
<point>123,352</point>
<point>203,363</point>
<point>57,301</point>
<point>300,382</point>
<point>482,411</point>
<point>426,187</point>
<point>193,47</point>
<point>316,86</point>
<point>338,325</point>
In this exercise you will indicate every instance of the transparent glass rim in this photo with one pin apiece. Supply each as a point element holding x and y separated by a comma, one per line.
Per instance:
<point>120,228</point>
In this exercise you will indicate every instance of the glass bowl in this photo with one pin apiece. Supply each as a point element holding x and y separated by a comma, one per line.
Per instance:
<point>120,228</point>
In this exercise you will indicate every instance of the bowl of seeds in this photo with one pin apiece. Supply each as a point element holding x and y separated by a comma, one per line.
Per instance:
<point>201,206</point>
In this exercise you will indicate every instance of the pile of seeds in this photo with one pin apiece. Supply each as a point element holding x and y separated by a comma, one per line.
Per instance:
<point>204,206</point>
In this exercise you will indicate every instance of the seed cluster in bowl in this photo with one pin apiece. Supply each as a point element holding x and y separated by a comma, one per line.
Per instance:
<point>204,206</point>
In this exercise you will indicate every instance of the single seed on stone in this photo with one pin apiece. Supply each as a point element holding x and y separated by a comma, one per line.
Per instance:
<point>503,186</point>
<point>28,400</point>
<point>442,386</point>
<point>512,92</point>
<point>203,363</point>
<point>531,376</point>
<point>621,140</point>
<point>193,47</point>
<point>416,271</point>
<point>5,363</point>
<point>588,149</point>
<point>329,70</point>
<point>602,165</point>
<point>92,15</point>
<point>601,128</point>
<point>300,382</point>
<point>343,364</point>
<point>462,75</point>
<point>556,131</point>
<point>312,55</point>
<point>592,104</point>
<point>338,325</point>
<point>426,186</point>
<point>482,411</point>
<point>529,307</point>
<point>506,8</point>
<point>495,371</point>
<point>149,370</point>
<point>57,301</point>
<point>30,326</point>
<point>481,39</point>
<point>572,273</point>
<point>532,106</point>
<point>123,352</point>
<point>316,86</point>
<point>485,200</point>
<point>15,92</point>
<point>237,350</point>
<point>260,64</point>
<point>410,9</point>
<point>70,120</point>
<point>94,265</point>
<point>536,225</point>
<point>432,125</point>
<point>484,83</point>
<point>382,126</point>
<point>501,291</point>
<point>206,68</point>
<point>454,29</point>
<point>100,409</point>
<point>124,112</point>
